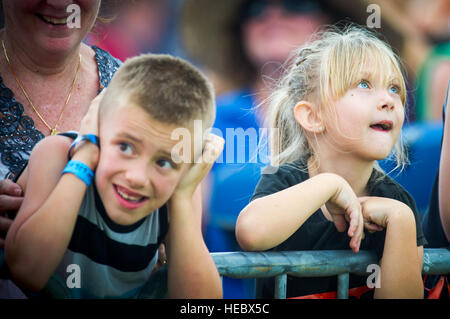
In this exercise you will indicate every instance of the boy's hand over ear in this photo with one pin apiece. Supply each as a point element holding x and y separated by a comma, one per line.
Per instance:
<point>200,168</point>
<point>88,152</point>
<point>89,123</point>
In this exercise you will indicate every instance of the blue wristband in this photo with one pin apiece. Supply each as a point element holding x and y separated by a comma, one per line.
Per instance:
<point>81,138</point>
<point>80,170</point>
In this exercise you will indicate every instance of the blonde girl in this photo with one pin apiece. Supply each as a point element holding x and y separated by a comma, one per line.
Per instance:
<point>338,109</point>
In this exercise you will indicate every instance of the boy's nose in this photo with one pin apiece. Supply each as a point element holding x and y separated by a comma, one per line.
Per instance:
<point>137,176</point>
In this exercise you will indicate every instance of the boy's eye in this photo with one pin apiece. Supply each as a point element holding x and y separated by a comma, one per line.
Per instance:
<point>363,85</point>
<point>126,148</point>
<point>165,164</point>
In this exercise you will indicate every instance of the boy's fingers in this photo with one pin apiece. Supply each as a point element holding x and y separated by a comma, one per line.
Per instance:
<point>100,96</point>
<point>162,254</point>
<point>213,147</point>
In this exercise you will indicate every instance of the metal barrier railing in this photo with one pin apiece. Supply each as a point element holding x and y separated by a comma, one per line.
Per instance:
<point>318,263</point>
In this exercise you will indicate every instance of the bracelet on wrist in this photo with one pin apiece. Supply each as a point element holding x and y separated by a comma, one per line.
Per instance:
<point>80,140</point>
<point>80,170</point>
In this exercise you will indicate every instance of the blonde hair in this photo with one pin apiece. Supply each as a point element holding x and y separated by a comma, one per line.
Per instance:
<point>169,89</point>
<point>322,71</point>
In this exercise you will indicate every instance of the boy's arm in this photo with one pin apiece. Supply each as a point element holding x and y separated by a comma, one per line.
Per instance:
<point>268,221</point>
<point>41,232</point>
<point>401,264</point>
<point>192,271</point>
<point>444,174</point>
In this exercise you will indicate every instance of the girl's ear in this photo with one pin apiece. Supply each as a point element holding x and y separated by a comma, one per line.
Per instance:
<point>306,115</point>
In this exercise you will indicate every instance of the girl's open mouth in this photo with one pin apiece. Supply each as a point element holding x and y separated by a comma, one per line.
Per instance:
<point>383,126</point>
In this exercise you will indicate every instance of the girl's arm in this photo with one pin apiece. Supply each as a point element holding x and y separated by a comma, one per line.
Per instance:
<point>41,232</point>
<point>401,264</point>
<point>268,221</point>
<point>192,271</point>
<point>444,175</point>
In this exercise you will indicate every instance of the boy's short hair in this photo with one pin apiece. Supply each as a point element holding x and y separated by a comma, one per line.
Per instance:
<point>170,89</point>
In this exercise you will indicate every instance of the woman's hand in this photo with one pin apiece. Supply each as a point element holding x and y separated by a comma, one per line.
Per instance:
<point>11,197</point>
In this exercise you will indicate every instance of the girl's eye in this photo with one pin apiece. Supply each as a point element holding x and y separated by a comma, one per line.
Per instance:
<point>394,89</point>
<point>363,85</point>
<point>165,164</point>
<point>126,148</point>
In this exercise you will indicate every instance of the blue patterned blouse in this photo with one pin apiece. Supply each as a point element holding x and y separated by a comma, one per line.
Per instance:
<point>17,132</point>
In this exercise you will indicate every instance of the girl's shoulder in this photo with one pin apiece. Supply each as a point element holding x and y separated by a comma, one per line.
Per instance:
<point>296,170</point>
<point>382,185</point>
<point>277,178</point>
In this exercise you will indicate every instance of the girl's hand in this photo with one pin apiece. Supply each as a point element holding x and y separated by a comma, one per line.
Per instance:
<point>378,210</point>
<point>344,207</point>
<point>200,168</point>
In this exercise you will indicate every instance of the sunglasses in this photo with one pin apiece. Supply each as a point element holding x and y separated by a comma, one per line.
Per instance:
<point>256,8</point>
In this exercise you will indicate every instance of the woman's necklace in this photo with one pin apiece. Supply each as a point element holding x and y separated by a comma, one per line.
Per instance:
<point>53,130</point>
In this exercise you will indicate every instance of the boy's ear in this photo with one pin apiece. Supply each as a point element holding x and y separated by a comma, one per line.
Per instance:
<point>306,115</point>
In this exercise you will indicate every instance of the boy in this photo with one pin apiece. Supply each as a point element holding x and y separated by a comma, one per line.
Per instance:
<point>110,230</point>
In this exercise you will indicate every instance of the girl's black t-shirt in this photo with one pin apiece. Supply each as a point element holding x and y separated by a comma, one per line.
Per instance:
<point>318,233</point>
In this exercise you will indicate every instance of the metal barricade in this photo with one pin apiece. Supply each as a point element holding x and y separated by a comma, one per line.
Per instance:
<point>316,263</point>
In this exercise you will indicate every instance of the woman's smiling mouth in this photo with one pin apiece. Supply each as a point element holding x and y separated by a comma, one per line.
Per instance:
<point>53,20</point>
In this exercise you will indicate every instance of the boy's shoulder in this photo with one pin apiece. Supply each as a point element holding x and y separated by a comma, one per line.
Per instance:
<point>52,144</point>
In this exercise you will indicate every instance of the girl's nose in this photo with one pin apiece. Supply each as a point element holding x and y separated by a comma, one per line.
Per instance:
<point>386,101</point>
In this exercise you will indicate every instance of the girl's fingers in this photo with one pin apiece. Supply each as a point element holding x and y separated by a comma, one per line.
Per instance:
<point>356,228</point>
<point>371,227</point>
<point>339,222</point>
